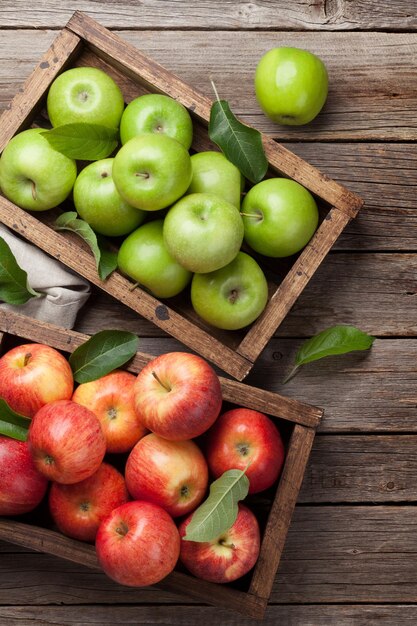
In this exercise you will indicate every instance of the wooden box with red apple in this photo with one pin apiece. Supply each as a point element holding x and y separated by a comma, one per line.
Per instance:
<point>83,42</point>
<point>265,518</point>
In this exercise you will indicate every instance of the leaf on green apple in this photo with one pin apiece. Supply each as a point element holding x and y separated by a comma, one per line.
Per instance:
<point>13,424</point>
<point>14,287</point>
<point>241,144</point>
<point>102,353</point>
<point>83,141</point>
<point>219,512</point>
<point>339,339</point>
<point>106,259</point>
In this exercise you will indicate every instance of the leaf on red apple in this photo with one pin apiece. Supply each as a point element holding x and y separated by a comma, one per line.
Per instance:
<point>106,259</point>
<point>339,339</point>
<point>84,141</point>
<point>13,424</point>
<point>241,144</point>
<point>219,512</point>
<point>14,287</point>
<point>102,353</point>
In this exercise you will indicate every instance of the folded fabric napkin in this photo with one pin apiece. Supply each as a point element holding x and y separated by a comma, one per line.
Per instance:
<point>63,292</point>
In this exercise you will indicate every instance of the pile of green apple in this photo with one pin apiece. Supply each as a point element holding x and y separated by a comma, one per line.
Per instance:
<point>195,221</point>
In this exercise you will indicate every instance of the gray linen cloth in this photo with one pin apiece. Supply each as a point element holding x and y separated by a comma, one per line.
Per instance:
<point>64,293</point>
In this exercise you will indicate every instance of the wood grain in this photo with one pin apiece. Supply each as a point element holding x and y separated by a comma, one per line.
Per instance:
<point>371,88</point>
<point>220,14</point>
<point>332,554</point>
<point>180,615</point>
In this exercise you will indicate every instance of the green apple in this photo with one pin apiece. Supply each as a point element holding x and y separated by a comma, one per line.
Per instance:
<point>280,217</point>
<point>152,171</point>
<point>203,232</point>
<point>32,174</point>
<point>213,173</point>
<point>98,202</point>
<point>144,257</point>
<point>231,297</point>
<point>156,113</point>
<point>291,85</point>
<point>85,94</point>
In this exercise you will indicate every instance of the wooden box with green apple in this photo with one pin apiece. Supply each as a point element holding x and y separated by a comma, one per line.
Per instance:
<point>83,42</point>
<point>273,508</point>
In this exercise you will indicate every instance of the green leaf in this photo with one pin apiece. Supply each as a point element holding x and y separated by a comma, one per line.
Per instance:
<point>106,260</point>
<point>13,424</point>
<point>338,339</point>
<point>102,353</point>
<point>241,144</point>
<point>14,287</point>
<point>219,512</point>
<point>87,142</point>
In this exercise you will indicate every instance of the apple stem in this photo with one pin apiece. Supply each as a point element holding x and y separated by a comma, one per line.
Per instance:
<point>33,189</point>
<point>227,545</point>
<point>133,287</point>
<point>167,387</point>
<point>249,215</point>
<point>27,358</point>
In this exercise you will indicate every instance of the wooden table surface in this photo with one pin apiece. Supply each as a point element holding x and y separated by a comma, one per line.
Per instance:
<point>351,554</point>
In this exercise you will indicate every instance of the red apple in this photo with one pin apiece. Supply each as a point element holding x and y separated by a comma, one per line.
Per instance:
<point>22,487</point>
<point>172,474</point>
<point>227,557</point>
<point>66,442</point>
<point>138,544</point>
<point>243,436</point>
<point>32,375</point>
<point>177,396</point>
<point>111,400</point>
<point>79,509</point>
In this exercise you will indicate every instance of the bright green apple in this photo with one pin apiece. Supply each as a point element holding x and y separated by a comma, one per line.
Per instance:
<point>144,257</point>
<point>280,217</point>
<point>85,94</point>
<point>99,203</point>
<point>291,85</point>
<point>156,113</point>
<point>213,173</point>
<point>203,232</point>
<point>233,296</point>
<point>152,171</point>
<point>32,174</point>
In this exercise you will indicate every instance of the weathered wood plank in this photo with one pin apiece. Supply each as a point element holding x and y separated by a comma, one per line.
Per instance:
<point>376,292</point>
<point>180,615</point>
<point>373,391</point>
<point>361,469</point>
<point>371,75</point>
<point>219,14</point>
<point>333,554</point>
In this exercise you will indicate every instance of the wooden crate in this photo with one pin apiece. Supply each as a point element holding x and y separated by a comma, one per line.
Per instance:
<point>299,421</point>
<point>84,42</point>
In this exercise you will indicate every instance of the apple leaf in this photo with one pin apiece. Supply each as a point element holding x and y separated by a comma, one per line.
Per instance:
<point>14,287</point>
<point>106,259</point>
<point>80,140</point>
<point>102,353</point>
<point>13,424</point>
<point>219,512</point>
<point>338,339</point>
<point>241,144</point>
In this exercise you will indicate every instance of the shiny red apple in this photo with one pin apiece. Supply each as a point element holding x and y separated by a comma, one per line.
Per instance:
<point>138,544</point>
<point>177,396</point>
<point>172,474</point>
<point>241,437</point>
<point>31,375</point>
<point>66,442</point>
<point>111,400</point>
<point>227,557</point>
<point>78,509</point>
<point>22,487</point>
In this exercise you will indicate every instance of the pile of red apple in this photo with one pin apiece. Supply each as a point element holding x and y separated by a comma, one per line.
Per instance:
<point>198,241</point>
<point>153,422</point>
